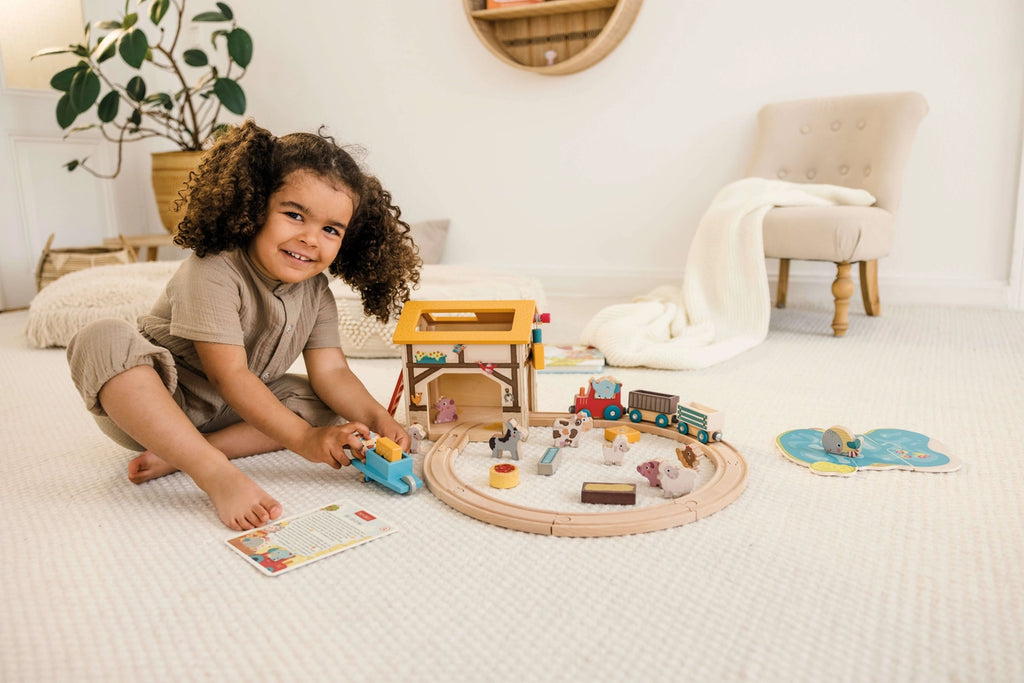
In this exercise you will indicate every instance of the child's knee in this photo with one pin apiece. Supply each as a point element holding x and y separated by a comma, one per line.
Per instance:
<point>106,348</point>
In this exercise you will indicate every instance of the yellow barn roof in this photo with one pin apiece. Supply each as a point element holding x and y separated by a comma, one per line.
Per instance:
<point>466,322</point>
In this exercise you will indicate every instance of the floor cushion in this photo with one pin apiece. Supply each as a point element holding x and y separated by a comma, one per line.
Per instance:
<point>126,291</point>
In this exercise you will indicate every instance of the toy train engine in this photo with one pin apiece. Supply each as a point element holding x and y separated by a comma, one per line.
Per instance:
<point>652,406</point>
<point>706,423</point>
<point>601,399</point>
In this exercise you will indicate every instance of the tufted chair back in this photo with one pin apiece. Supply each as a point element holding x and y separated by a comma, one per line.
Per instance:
<point>860,141</point>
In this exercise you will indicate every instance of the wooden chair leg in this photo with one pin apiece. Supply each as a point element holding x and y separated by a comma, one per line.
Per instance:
<point>869,287</point>
<point>842,290</point>
<point>782,286</point>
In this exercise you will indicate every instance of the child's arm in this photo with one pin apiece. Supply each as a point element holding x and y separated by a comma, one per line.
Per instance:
<point>334,382</point>
<point>226,367</point>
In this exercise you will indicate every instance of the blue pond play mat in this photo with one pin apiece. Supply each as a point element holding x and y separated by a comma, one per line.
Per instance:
<point>880,449</point>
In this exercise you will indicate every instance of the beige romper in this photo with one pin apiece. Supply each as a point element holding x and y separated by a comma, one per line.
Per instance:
<point>220,298</point>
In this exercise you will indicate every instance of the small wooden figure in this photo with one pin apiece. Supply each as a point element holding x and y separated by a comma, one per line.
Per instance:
<point>615,494</point>
<point>509,441</point>
<point>566,431</point>
<point>839,440</point>
<point>675,479</point>
<point>614,451</point>
<point>504,476</point>
<point>688,456</point>
<point>549,462</point>
<point>446,411</point>
<point>416,433</point>
<point>649,470</point>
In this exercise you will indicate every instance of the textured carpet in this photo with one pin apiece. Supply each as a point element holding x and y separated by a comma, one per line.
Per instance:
<point>882,576</point>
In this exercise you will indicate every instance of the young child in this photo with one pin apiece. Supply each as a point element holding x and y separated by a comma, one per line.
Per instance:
<point>202,380</point>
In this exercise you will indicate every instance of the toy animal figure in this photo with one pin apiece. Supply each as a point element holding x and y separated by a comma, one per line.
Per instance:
<point>416,433</point>
<point>509,441</point>
<point>605,387</point>
<point>649,470</point>
<point>676,480</point>
<point>687,456</point>
<point>840,441</point>
<point>446,411</point>
<point>614,451</point>
<point>566,431</point>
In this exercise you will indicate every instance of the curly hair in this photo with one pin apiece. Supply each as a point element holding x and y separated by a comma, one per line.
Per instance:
<point>226,205</point>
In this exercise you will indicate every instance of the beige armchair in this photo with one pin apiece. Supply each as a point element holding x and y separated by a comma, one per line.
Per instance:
<point>857,141</point>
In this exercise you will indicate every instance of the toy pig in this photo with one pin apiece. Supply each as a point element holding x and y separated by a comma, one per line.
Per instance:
<point>649,470</point>
<point>446,411</point>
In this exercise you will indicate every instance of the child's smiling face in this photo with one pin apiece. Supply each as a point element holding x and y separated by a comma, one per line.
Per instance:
<point>306,219</point>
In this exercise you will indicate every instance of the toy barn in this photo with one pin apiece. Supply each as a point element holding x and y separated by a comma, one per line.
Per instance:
<point>469,362</point>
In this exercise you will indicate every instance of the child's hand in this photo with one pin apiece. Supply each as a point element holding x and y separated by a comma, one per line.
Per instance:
<point>396,432</point>
<point>327,444</point>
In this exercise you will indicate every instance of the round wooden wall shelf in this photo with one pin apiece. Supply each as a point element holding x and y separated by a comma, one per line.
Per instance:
<point>554,37</point>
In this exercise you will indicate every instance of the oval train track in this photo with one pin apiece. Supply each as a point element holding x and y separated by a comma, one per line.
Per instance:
<point>727,483</point>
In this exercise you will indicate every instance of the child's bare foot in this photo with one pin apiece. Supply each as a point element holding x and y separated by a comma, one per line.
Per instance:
<point>241,504</point>
<point>146,466</point>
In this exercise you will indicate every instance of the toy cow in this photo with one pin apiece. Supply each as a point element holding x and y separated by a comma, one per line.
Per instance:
<point>614,451</point>
<point>566,431</point>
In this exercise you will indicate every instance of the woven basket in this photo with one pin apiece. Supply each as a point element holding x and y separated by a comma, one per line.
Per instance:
<point>56,262</point>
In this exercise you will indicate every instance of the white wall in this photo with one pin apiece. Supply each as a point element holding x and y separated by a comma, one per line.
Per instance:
<point>596,181</point>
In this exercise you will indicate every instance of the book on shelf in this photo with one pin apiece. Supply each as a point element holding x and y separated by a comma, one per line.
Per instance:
<point>572,358</point>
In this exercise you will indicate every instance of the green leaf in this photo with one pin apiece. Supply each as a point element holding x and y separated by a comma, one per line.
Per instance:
<point>133,47</point>
<point>107,25</point>
<point>107,110</point>
<point>225,10</point>
<point>136,117</point>
<point>54,51</point>
<point>105,48</point>
<point>85,88</point>
<point>240,47</point>
<point>195,57</point>
<point>161,98</point>
<point>209,16</point>
<point>66,113</point>
<point>62,79</point>
<point>72,165</point>
<point>158,9</point>
<point>230,95</point>
<point>136,88</point>
<point>130,20</point>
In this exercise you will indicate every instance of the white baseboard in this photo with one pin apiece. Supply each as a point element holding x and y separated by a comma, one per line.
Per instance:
<point>804,289</point>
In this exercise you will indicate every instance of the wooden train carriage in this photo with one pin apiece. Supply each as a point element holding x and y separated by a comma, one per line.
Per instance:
<point>653,406</point>
<point>700,420</point>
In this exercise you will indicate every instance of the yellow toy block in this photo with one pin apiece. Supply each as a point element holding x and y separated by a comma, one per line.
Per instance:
<point>388,449</point>
<point>632,435</point>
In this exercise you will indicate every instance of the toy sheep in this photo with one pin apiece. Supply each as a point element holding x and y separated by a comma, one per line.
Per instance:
<point>676,480</point>
<point>614,451</point>
<point>416,433</point>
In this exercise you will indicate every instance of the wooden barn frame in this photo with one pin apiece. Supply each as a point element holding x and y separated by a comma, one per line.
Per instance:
<point>476,353</point>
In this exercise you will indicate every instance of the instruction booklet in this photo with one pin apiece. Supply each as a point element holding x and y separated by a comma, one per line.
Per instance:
<point>296,541</point>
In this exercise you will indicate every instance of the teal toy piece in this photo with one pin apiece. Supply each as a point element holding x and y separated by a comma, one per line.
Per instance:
<point>881,449</point>
<point>397,475</point>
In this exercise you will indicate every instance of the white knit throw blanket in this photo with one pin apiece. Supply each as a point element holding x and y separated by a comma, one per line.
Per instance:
<point>724,306</point>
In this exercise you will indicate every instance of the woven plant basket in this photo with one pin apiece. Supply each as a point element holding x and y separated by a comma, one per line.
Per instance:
<point>57,262</point>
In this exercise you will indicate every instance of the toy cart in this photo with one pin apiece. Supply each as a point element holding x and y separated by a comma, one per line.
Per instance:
<point>396,475</point>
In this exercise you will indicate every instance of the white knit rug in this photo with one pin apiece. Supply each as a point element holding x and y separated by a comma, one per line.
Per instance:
<point>882,576</point>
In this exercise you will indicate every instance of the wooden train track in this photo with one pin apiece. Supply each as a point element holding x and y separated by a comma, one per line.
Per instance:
<point>724,487</point>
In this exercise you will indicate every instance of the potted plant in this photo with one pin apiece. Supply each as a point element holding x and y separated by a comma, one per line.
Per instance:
<point>180,97</point>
